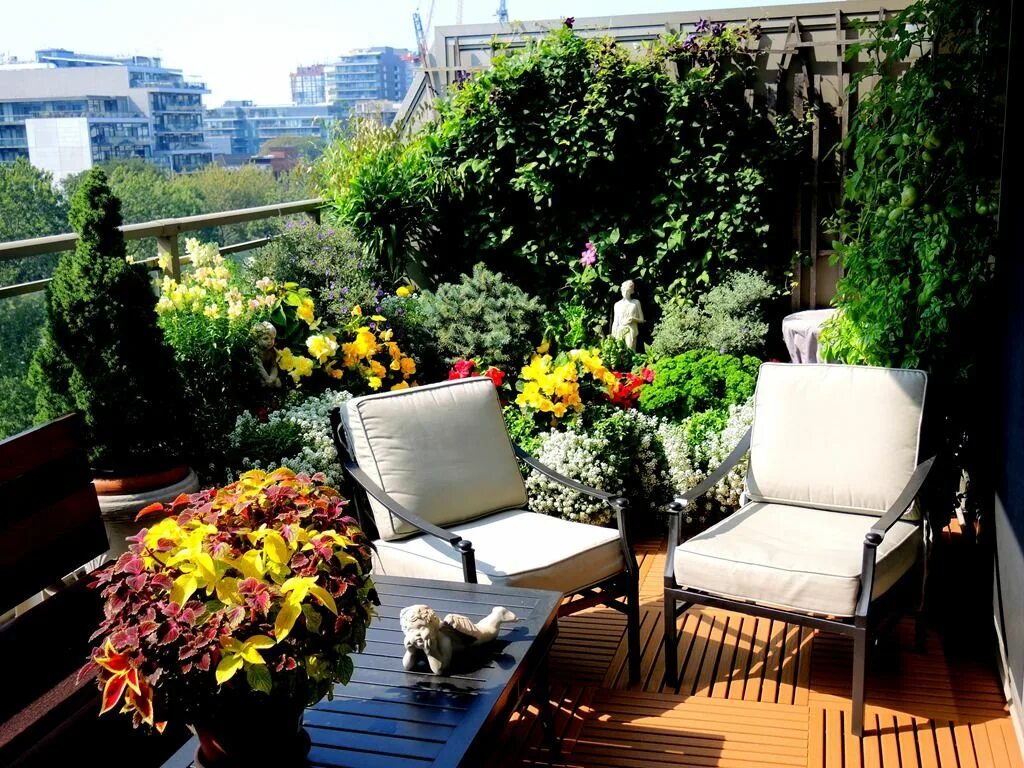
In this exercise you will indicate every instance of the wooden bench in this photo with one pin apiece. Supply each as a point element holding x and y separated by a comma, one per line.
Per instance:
<point>50,526</point>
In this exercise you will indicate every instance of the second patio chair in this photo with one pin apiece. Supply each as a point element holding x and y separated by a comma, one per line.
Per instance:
<point>446,497</point>
<point>831,526</point>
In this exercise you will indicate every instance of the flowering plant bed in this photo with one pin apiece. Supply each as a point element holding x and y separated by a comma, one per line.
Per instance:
<point>260,588</point>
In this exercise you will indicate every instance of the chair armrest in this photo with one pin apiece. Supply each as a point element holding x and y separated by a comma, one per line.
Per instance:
<point>568,482</point>
<point>679,503</point>
<point>713,479</point>
<point>376,492</point>
<point>619,503</point>
<point>873,538</point>
<point>899,507</point>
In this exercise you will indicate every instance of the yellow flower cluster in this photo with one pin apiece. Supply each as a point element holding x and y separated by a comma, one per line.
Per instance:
<point>590,359</point>
<point>205,288</point>
<point>550,388</point>
<point>360,353</point>
<point>553,385</point>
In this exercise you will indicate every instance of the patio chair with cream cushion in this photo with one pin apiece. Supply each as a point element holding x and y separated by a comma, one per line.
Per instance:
<point>447,500</point>
<point>831,525</point>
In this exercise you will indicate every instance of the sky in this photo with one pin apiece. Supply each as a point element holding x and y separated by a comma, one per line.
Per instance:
<point>244,49</point>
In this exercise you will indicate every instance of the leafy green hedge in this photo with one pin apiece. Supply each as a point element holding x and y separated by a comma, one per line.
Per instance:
<point>698,381</point>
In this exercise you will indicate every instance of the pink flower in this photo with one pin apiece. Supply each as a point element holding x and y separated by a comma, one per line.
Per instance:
<point>647,374</point>
<point>589,256</point>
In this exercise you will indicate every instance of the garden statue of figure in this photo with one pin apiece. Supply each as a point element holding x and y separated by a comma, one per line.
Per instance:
<point>427,636</point>
<point>627,316</point>
<point>266,338</point>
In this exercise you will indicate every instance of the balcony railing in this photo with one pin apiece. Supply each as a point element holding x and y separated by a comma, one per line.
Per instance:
<point>165,231</point>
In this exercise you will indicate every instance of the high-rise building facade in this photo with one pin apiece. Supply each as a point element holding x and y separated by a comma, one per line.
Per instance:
<point>239,128</point>
<point>67,111</point>
<point>368,74</point>
<point>309,85</point>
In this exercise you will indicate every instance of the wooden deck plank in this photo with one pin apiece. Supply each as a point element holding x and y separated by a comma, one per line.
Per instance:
<point>757,694</point>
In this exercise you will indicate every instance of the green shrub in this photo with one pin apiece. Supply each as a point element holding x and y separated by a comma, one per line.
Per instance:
<point>216,358</point>
<point>571,139</point>
<point>729,318</point>
<point>375,186</point>
<point>326,259</point>
<point>522,429</point>
<point>102,352</point>
<point>697,381</point>
<point>405,317</point>
<point>616,356</point>
<point>263,443</point>
<point>484,317</point>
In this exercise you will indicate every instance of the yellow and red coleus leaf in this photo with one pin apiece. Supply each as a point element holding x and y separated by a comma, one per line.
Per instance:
<point>112,691</point>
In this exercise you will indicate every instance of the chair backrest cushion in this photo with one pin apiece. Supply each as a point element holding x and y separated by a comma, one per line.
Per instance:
<point>441,451</point>
<point>839,437</point>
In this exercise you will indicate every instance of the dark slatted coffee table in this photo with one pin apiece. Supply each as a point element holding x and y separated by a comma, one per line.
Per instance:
<point>387,717</point>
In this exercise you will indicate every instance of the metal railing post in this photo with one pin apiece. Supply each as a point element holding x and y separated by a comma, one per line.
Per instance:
<point>167,252</point>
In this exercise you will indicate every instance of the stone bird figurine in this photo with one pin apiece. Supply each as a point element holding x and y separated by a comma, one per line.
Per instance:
<point>438,641</point>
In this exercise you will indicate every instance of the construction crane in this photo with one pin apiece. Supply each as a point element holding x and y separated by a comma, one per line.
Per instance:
<point>421,42</point>
<point>502,13</point>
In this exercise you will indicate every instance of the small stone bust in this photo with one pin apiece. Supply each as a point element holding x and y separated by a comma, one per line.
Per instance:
<point>266,339</point>
<point>627,316</point>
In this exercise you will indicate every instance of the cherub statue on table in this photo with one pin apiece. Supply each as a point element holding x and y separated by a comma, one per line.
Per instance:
<point>438,641</point>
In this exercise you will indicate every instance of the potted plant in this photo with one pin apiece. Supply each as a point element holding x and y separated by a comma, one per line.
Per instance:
<point>234,613</point>
<point>103,355</point>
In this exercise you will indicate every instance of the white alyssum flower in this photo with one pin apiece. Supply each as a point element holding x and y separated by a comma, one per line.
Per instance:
<point>318,453</point>
<point>580,457</point>
<point>689,464</point>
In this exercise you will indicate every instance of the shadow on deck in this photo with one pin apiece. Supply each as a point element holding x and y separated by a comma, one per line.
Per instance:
<point>757,692</point>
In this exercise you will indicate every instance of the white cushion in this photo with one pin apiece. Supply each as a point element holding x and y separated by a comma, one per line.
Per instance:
<point>839,437</point>
<point>441,451</point>
<point>515,549</point>
<point>797,558</point>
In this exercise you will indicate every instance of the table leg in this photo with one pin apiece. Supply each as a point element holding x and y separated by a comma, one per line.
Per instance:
<point>546,708</point>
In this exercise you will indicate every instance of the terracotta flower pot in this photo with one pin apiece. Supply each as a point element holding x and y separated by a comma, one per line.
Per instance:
<point>121,498</point>
<point>259,730</point>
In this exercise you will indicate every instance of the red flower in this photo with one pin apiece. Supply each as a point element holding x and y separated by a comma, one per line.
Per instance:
<point>496,375</point>
<point>462,369</point>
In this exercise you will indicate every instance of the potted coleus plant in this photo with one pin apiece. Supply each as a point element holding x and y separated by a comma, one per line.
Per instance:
<point>234,613</point>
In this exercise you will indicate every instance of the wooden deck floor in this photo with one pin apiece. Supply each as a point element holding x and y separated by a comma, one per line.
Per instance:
<point>755,692</point>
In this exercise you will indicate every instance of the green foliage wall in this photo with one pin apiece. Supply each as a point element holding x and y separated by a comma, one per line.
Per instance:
<point>102,353</point>
<point>575,139</point>
<point>917,231</point>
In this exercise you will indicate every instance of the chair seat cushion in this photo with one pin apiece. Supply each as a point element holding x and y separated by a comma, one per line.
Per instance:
<point>797,558</point>
<point>514,548</point>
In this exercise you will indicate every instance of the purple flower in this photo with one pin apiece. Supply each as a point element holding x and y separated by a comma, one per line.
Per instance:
<point>718,28</point>
<point>569,22</point>
<point>703,25</point>
<point>344,290</point>
<point>589,256</point>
